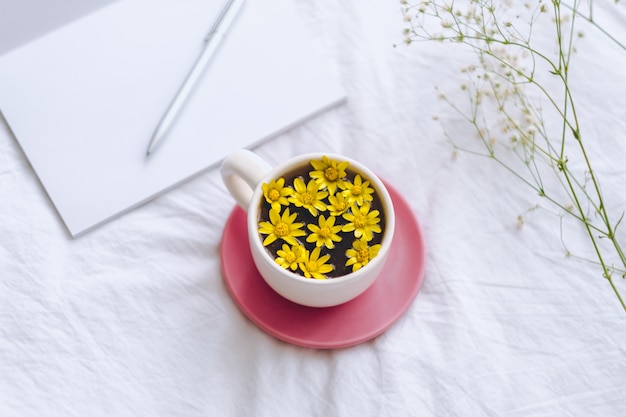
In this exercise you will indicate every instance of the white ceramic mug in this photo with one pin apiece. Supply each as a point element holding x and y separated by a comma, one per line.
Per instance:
<point>244,174</point>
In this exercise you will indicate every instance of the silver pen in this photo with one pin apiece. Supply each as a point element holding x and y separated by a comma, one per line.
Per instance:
<point>216,34</point>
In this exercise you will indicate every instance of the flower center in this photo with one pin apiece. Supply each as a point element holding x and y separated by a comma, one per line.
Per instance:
<point>306,198</point>
<point>360,221</point>
<point>331,174</point>
<point>324,232</point>
<point>311,266</point>
<point>281,229</point>
<point>290,257</point>
<point>362,255</point>
<point>356,190</point>
<point>274,194</point>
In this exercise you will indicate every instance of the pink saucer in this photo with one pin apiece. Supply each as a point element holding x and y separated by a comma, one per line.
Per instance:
<point>354,322</point>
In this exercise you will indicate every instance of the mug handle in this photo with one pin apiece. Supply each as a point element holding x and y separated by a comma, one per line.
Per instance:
<point>242,171</point>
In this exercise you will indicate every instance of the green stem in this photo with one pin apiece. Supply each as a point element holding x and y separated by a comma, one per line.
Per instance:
<point>589,18</point>
<point>569,100</point>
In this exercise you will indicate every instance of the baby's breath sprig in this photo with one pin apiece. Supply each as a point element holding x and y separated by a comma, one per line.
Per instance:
<point>517,82</point>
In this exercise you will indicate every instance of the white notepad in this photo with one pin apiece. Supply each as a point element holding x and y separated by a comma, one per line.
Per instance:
<point>83,100</point>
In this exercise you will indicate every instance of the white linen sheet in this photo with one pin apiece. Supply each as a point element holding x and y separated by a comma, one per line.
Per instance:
<point>134,319</point>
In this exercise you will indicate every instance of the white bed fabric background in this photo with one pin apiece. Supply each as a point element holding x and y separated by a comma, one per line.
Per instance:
<point>133,319</point>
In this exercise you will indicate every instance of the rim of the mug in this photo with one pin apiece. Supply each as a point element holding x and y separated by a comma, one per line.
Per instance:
<point>381,188</point>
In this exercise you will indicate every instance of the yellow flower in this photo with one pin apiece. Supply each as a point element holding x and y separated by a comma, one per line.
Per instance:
<point>362,221</point>
<point>329,173</point>
<point>338,204</point>
<point>361,254</point>
<point>276,193</point>
<point>358,191</point>
<point>325,234</point>
<point>315,266</point>
<point>308,196</point>
<point>290,257</point>
<point>281,227</point>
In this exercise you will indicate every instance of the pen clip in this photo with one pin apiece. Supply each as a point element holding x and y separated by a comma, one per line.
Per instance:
<point>226,15</point>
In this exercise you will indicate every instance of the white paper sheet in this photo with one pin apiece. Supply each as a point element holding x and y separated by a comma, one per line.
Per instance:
<point>84,100</point>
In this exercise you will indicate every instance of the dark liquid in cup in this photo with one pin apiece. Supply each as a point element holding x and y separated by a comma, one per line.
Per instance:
<point>338,257</point>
